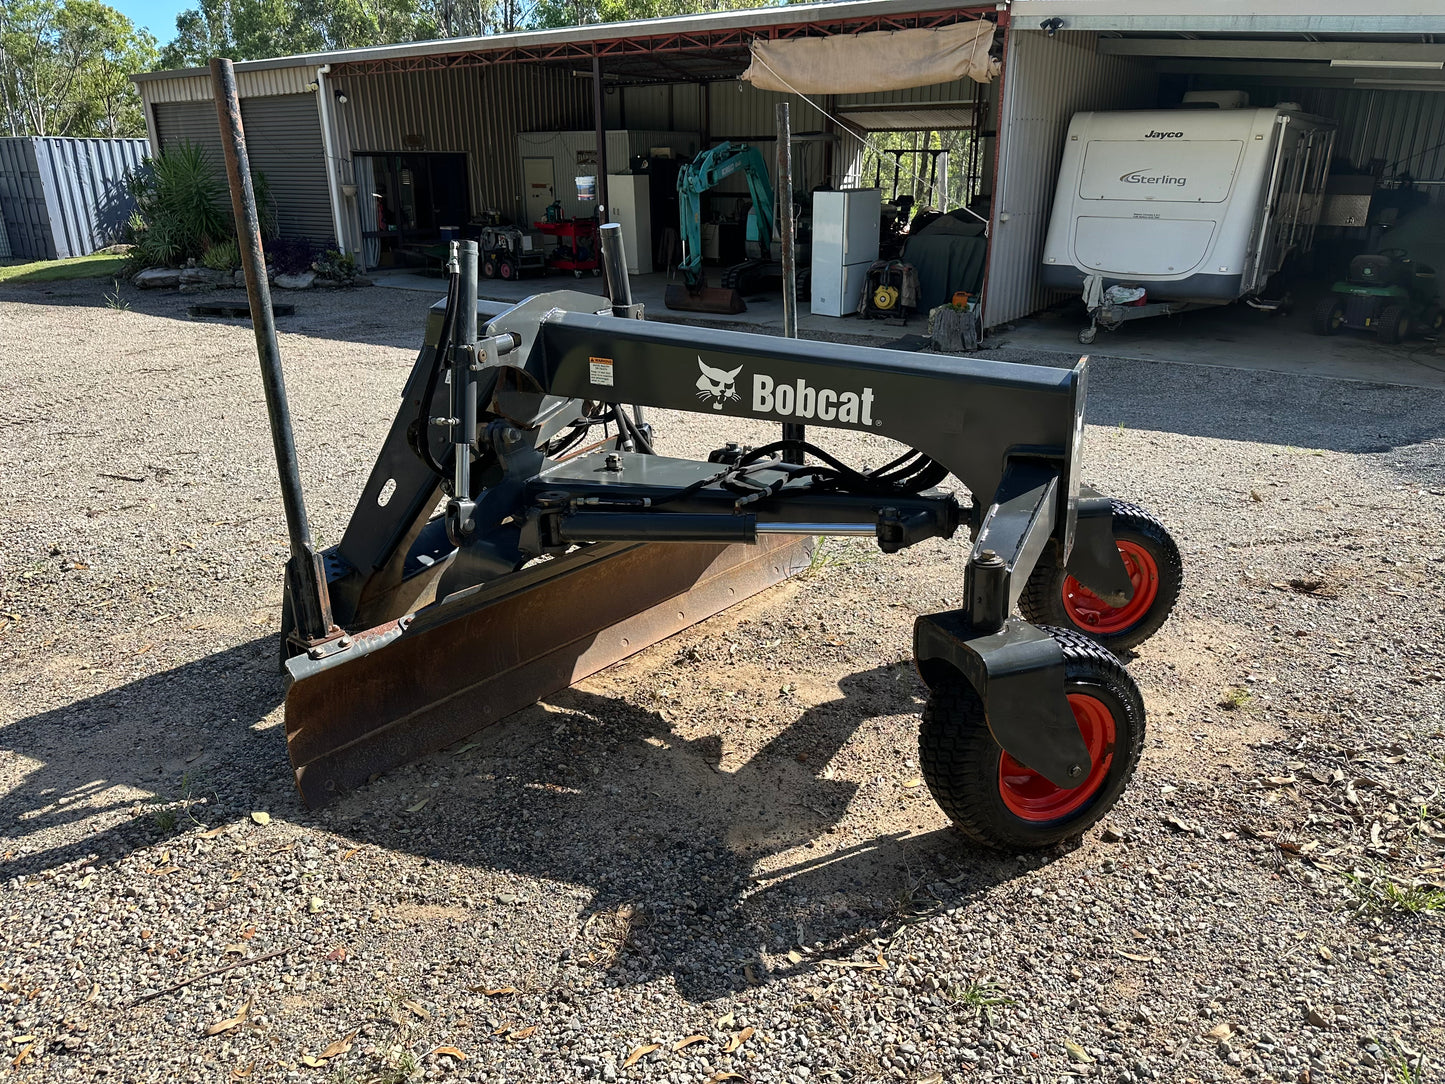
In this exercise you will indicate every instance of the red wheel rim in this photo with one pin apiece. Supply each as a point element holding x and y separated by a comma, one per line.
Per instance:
<point>1031,797</point>
<point>1092,614</point>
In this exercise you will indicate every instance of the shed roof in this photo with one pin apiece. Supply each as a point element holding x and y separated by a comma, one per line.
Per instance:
<point>701,46</point>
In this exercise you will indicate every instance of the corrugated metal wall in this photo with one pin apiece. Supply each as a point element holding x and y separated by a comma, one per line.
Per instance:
<point>23,216</point>
<point>960,90</point>
<point>571,151</point>
<point>65,197</point>
<point>737,111</point>
<point>283,139</point>
<point>475,111</point>
<point>250,84</point>
<point>1046,81</point>
<point>670,106</point>
<point>1404,128</point>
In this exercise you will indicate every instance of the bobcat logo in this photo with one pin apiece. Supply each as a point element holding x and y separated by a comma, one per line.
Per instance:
<point>719,385</point>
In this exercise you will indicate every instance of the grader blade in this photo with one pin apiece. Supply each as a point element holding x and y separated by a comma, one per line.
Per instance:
<point>366,703</point>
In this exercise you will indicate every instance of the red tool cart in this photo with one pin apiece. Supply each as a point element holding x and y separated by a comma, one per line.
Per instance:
<point>576,245</point>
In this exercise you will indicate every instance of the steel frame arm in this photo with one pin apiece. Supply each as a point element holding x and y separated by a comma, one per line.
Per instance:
<point>972,416</point>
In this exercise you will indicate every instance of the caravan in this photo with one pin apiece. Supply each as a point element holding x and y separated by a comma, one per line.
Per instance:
<point>1162,210</point>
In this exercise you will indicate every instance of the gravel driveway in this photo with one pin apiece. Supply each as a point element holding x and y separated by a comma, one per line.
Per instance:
<point>714,861</point>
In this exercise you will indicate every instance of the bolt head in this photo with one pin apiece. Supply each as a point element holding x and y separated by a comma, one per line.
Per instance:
<point>1075,770</point>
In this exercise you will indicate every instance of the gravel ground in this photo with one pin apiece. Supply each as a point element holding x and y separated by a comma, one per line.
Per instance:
<point>713,861</point>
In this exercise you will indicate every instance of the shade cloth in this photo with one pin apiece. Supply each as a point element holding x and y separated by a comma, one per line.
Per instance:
<point>880,60</point>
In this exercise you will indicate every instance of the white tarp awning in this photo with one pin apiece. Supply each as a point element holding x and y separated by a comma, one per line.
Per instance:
<point>880,60</point>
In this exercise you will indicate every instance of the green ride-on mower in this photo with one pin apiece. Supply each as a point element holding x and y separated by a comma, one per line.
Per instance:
<point>1385,292</point>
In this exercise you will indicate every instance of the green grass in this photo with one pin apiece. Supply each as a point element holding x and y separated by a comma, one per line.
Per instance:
<point>1235,698</point>
<point>79,267</point>
<point>1379,895</point>
<point>983,997</point>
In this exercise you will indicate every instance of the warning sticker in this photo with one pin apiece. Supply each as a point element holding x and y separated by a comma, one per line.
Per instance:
<point>599,371</point>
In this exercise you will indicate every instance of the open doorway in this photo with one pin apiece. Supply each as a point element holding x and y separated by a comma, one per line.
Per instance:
<point>407,202</point>
<point>923,174</point>
<point>933,184</point>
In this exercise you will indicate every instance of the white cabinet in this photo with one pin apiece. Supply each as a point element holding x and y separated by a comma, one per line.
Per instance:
<point>631,209</point>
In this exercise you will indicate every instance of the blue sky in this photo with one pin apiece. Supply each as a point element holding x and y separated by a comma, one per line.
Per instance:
<point>157,16</point>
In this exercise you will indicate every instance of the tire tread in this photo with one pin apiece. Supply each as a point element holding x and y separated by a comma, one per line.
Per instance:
<point>958,756</point>
<point>1042,600</point>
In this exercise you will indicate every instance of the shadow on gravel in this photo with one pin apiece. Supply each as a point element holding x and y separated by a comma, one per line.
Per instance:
<point>374,316</point>
<point>680,853</point>
<point>182,735</point>
<point>1296,412</point>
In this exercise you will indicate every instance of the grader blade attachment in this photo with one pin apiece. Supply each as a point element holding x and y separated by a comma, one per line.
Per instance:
<point>365,703</point>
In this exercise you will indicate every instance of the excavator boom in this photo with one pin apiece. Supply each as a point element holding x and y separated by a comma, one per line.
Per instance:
<point>703,173</point>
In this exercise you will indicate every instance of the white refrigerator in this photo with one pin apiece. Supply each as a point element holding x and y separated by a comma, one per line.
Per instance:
<point>631,208</point>
<point>845,244</point>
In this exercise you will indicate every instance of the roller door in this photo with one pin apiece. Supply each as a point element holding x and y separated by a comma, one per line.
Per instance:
<point>283,137</point>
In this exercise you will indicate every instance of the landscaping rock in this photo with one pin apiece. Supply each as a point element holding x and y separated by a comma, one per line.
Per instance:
<point>156,277</point>
<point>329,284</point>
<point>302,281</point>
<point>197,279</point>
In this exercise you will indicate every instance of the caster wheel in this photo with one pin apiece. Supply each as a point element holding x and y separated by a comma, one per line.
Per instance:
<point>995,800</point>
<point>577,274</point>
<point>1088,335</point>
<point>596,271</point>
<point>1053,597</point>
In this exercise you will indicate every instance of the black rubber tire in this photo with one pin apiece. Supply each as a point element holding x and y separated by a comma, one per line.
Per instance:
<point>1394,324</point>
<point>489,268</point>
<point>1328,316</point>
<point>960,760</point>
<point>1432,320</point>
<point>506,269</point>
<point>1042,602</point>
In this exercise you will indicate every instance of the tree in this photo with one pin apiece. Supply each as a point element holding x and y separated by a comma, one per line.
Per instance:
<point>65,68</point>
<point>256,29</point>
<point>557,13</point>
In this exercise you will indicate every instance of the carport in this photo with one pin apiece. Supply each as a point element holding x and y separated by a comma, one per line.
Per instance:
<point>455,118</point>
<point>1380,77</point>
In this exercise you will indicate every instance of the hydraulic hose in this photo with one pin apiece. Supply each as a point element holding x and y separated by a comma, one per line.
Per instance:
<point>444,342</point>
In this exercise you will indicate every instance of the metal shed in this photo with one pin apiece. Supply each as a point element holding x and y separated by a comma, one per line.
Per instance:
<point>422,107</point>
<point>64,197</point>
<point>1380,76</point>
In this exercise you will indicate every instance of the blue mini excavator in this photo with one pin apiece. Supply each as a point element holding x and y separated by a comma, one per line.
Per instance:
<point>704,172</point>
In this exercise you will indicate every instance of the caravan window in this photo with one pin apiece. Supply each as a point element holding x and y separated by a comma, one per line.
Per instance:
<point>1168,170</point>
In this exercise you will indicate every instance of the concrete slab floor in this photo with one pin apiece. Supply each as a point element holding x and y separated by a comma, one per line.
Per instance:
<point>1238,337</point>
<point>762,315</point>
<point>1233,336</point>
